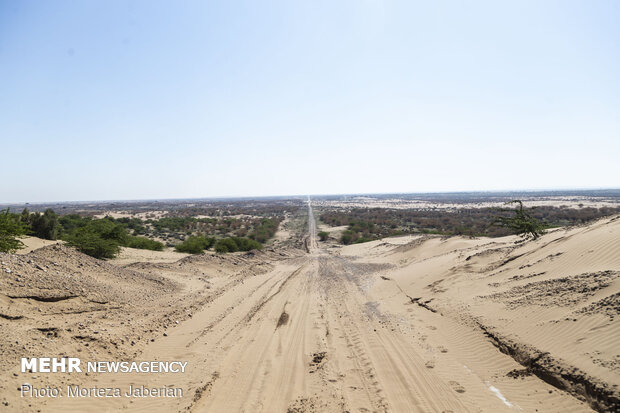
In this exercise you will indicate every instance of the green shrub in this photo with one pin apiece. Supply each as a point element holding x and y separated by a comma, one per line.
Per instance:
<point>195,245</point>
<point>46,225</point>
<point>99,238</point>
<point>234,244</point>
<point>144,244</point>
<point>91,243</point>
<point>226,245</point>
<point>246,244</point>
<point>11,228</point>
<point>347,237</point>
<point>323,236</point>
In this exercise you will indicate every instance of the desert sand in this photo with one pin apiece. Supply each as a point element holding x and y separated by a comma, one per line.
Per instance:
<point>34,243</point>
<point>407,324</point>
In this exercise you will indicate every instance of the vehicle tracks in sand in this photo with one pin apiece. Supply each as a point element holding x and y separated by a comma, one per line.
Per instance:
<point>311,334</point>
<point>385,365</point>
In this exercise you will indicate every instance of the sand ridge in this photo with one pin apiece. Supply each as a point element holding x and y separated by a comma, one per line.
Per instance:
<point>410,324</point>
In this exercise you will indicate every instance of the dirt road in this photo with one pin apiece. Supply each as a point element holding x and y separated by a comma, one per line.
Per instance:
<point>318,333</point>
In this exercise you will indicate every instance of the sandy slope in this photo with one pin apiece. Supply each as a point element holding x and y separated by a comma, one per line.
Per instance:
<point>552,303</point>
<point>33,243</point>
<point>412,324</point>
<point>132,255</point>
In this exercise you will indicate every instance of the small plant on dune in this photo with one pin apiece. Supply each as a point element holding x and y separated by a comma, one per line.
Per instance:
<point>11,228</point>
<point>323,236</point>
<point>521,223</point>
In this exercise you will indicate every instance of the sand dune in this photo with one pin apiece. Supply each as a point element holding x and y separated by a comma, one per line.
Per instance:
<point>556,297</point>
<point>409,324</point>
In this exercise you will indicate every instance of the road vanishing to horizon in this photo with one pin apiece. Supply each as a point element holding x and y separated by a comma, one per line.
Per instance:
<point>323,331</point>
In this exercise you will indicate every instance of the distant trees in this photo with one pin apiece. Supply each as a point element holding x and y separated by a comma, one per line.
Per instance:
<point>71,222</point>
<point>365,224</point>
<point>11,228</point>
<point>103,238</point>
<point>266,229</point>
<point>521,223</point>
<point>136,225</point>
<point>171,227</point>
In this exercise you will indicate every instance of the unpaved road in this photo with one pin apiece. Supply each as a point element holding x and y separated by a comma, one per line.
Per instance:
<point>314,334</point>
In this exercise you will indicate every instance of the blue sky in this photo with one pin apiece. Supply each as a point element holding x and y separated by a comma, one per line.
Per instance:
<point>153,99</point>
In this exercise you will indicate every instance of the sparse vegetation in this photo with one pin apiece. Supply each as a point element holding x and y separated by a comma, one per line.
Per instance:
<point>171,228</point>
<point>102,238</point>
<point>359,231</point>
<point>323,236</point>
<point>366,224</point>
<point>266,229</point>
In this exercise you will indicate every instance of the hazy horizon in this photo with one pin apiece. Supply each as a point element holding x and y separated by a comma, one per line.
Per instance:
<point>151,100</point>
<point>560,191</point>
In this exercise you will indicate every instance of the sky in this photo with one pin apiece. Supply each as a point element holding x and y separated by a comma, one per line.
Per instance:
<point>110,100</point>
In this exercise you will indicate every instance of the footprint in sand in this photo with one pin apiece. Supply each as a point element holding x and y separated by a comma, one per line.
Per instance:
<point>430,364</point>
<point>456,386</point>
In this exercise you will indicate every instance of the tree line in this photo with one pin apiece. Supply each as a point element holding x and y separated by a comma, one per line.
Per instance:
<point>367,224</point>
<point>99,238</point>
<point>104,237</point>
